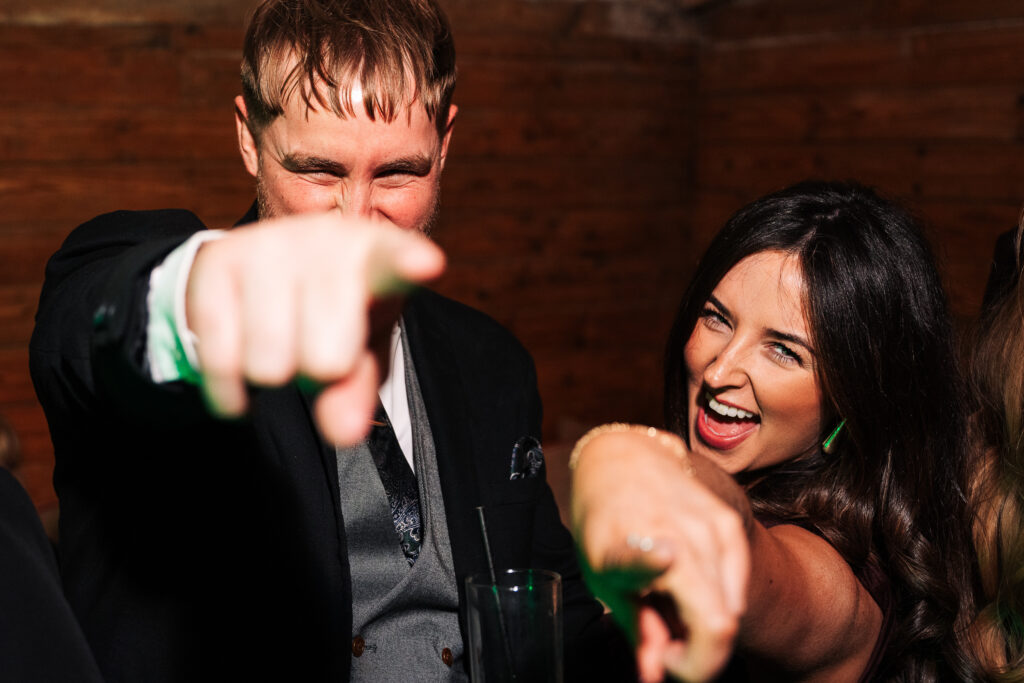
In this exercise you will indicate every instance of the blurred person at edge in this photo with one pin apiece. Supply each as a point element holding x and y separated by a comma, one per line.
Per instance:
<point>221,521</point>
<point>804,519</point>
<point>995,356</point>
<point>40,640</point>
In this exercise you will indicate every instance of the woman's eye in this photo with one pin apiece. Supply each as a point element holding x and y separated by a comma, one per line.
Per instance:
<point>713,319</point>
<point>783,354</point>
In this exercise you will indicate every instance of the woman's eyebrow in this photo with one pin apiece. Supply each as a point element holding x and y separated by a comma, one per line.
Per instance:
<point>785,336</point>
<point>775,334</point>
<point>719,305</point>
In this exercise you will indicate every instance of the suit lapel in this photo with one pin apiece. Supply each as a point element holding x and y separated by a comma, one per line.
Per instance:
<point>447,403</point>
<point>282,418</point>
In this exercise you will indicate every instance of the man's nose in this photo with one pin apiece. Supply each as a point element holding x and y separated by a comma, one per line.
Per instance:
<point>356,200</point>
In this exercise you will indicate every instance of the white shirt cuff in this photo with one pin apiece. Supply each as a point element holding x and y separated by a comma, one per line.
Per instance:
<point>170,344</point>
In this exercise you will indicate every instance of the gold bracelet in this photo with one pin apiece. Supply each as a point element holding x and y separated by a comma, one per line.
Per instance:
<point>669,441</point>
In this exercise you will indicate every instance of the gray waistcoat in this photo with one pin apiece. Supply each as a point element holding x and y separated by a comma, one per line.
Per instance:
<point>407,617</point>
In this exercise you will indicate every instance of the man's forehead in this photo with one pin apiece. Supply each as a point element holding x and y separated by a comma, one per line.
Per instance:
<point>349,97</point>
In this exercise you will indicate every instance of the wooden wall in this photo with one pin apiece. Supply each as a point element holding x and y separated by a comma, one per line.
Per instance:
<point>103,107</point>
<point>563,199</point>
<point>598,146</point>
<point>922,98</point>
<point>566,200</point>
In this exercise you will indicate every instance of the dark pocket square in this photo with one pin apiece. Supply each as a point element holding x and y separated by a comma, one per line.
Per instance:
<point>527,458</point>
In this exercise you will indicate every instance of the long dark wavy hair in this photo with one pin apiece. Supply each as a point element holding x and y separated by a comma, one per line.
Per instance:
<point>996,365</point>
<point>890,496</point>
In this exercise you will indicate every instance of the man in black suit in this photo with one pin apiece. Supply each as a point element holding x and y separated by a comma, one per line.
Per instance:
<point>208,391</point>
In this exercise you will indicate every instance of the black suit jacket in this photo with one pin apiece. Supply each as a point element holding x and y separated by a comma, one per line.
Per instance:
<point>40,641</point>
<point>201,549</point>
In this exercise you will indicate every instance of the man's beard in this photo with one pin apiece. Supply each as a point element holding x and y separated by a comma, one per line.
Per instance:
<point>265,210</point>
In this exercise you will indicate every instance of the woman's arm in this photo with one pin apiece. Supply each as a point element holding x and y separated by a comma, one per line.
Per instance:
<point>652,518</point>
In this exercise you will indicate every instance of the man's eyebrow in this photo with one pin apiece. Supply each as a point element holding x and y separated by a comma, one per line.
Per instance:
<point>306,164</point>
<point>418,164</point>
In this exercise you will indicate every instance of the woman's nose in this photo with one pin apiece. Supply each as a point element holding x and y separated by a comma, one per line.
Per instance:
<point>728,367</point>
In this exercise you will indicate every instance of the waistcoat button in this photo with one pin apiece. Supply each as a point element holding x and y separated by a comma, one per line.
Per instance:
<point>358,645</point>
<point>446,657</point>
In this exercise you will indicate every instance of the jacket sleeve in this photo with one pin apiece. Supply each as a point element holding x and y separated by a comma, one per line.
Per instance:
<point>87,353</point>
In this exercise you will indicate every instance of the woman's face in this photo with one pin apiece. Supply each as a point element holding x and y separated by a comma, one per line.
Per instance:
<point>754,394</point>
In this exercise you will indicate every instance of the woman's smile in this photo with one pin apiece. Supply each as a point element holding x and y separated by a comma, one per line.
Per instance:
<point>723,426</point>
<point>755,399</point>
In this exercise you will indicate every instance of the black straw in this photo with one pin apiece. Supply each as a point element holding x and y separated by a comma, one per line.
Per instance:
<point>494,590</point>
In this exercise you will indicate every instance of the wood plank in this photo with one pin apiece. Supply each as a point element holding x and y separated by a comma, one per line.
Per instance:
<point>158,65</point>
<point>656,133</point>
<point>627,387</point>
<point>17,309</point>
<point>123,65</point>
<point>120,12</point>
<point>563,183</point>
<point>15,382</point>
<point>117,134</point>
<point>544,332</point>
<point>496,42</point>
<point>968,55</point>
<point>824,61</point>
<point>499,82</point>
<point>528,232</point>
<point>617,18</point>
<point>73,194</point>
<point>763,20</point>
<point>506,292</point>
<point>976,171</point>
<point>23,257</point>
<point>26,417</point>
<point>786,18</point>
<point>473,17</point>
<point>984,112</point>
<point>976,54</point>
<point>964,235</point>
<point>655,22</point>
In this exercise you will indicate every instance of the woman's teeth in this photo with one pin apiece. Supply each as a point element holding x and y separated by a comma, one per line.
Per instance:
<point>728,411</point>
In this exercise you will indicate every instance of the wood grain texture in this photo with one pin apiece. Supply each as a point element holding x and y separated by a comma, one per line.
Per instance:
<point>598,147</point>
<point>564,202</point>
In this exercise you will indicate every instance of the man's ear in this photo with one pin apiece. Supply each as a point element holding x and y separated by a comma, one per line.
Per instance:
<point>449,127</point>
<point>246,140</point>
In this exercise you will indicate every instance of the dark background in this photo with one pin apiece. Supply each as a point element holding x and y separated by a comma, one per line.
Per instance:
<point>599,145</point>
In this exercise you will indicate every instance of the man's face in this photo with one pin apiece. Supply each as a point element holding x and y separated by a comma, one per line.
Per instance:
<point>313,160</point>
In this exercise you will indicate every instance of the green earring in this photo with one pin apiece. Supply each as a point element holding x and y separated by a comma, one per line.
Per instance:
<point>828,445</point>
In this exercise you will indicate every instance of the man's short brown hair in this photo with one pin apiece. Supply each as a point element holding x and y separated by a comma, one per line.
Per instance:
<point>380,45</point>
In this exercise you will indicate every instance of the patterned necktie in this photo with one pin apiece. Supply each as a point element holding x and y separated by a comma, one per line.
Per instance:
<point>399,484</point>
